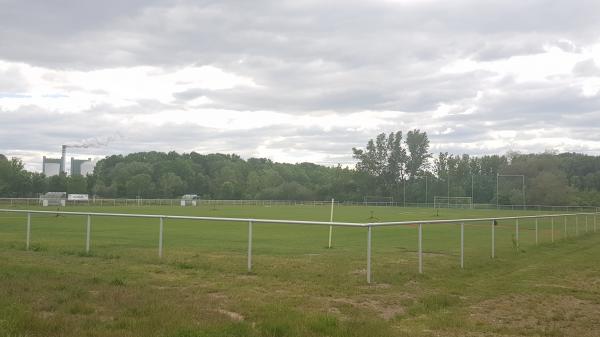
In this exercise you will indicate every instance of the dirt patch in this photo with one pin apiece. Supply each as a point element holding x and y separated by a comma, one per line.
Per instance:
<point>218,296</point>
<point>556,314</point>
<point>377,286</point>
<point>385,310</point>
<point>359,272</point>
<point>247,277</point>
<point>46,314</point>
<point>234,316</point>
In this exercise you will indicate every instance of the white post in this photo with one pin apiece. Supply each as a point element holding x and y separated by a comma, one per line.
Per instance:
<point>462,245</point>
<point>426,199</point>
<point>493,239</point>
<point>536,231</point>
<point>249,246</point>
<point>27,240</point>
<point>576,225</point>
<point>517,232</point>
<point>331,220</point>
<point>404,194</point>
<point>369,255</point>
<point>160,238</point>
<point>87,233</point>
<point>420,249</point>
<point>552,233</point>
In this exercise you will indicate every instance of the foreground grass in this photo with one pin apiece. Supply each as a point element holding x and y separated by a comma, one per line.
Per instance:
<point>299,288</point>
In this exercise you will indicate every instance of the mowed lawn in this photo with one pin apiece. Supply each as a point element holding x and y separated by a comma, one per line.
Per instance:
<point>298,286</point>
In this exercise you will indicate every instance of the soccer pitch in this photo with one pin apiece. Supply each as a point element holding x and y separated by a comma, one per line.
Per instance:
<point>298,287</point>
<point>57,232</point>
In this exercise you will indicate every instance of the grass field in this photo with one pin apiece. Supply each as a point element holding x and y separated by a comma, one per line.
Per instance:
<point>298,287</point>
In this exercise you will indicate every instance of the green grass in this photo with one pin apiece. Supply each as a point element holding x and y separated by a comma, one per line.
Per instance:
<point>298,286</point>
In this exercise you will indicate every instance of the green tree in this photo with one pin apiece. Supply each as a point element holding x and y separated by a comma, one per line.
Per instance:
<point>140,185</point>
<point>171,185</point>
<point>76,185</point>
<point>418,152</point>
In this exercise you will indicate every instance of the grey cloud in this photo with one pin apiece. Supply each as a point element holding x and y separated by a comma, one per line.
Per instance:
<point>501,47</point>
<point>587,68</point>
<point>309,57</point>
<point>12,82</point>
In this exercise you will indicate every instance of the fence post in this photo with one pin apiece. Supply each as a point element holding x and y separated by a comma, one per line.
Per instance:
<point>420,249</point>
<point>493,239</point>
<point>27,240</point>
<point>536,231</point>
<point>160,238</point>
<point>87,233</point>
<point>331,220</point>
<point>462,245</point>
<point>552,232</point>
<point>369,255</point>
<point>249,246</point>
<point>517,232</point>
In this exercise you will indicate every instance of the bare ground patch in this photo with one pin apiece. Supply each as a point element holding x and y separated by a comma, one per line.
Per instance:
<point>384,307</point>
<point>556,315</point>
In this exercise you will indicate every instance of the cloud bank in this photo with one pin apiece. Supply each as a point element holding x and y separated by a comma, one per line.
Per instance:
<point>298,80</point>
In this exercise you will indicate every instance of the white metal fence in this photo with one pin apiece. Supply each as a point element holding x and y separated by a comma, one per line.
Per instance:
<point>13,202</point>
<point>575,217</point>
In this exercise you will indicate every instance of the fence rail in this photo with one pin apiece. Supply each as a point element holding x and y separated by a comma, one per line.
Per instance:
<point>369,226</point>
<point>269,203</point>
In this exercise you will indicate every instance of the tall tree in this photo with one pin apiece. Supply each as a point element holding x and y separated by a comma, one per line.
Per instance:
<point>418,152</point>
<point>384,160</point>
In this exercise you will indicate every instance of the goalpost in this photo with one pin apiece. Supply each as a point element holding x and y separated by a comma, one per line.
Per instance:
<point>376,200</point>
<point>452,202</point>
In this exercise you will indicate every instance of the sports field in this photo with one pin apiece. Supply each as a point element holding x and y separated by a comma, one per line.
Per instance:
<point>298,286</point>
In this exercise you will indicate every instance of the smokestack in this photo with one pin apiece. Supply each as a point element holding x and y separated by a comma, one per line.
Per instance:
<point>63,160</point>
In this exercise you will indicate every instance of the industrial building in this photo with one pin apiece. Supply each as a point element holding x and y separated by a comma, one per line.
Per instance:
<point>82,167</point>
<point>51,166</point>
<point>79,167</point>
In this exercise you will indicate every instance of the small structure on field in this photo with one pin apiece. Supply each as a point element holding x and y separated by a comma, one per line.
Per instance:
<point>78,198</point>
<point>54,199</point>
<point>189,200</point>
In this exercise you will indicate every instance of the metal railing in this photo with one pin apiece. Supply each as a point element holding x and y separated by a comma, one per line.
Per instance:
<point>268,203</point>
<point>491,220</point>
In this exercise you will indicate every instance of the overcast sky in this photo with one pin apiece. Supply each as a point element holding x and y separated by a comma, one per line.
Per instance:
<point>297,80</point>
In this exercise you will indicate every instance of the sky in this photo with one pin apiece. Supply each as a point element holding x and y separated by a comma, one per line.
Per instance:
<point>297,81</point>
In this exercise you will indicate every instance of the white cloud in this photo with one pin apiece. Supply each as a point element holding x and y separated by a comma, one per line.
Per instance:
<point>74,91</point>
<point>299,80</point>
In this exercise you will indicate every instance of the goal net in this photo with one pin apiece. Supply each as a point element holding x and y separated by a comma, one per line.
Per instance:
<point>375,200</point>
<point>452,202</point>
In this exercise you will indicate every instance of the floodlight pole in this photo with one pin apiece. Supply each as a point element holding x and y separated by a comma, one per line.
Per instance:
<point>404,194</point>
<point>472,196</point>
<point>426,199</point>
<point>497,191</point>
<point>448,185</point>
<point>524,201</point>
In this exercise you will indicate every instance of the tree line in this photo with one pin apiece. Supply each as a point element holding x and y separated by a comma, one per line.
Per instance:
<point>394,165</point>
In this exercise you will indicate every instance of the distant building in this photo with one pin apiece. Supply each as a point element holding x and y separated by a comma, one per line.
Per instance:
<point>54,199</point>
<point>51,166</point>
<point>189,200</point>
<point>81,167</point>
